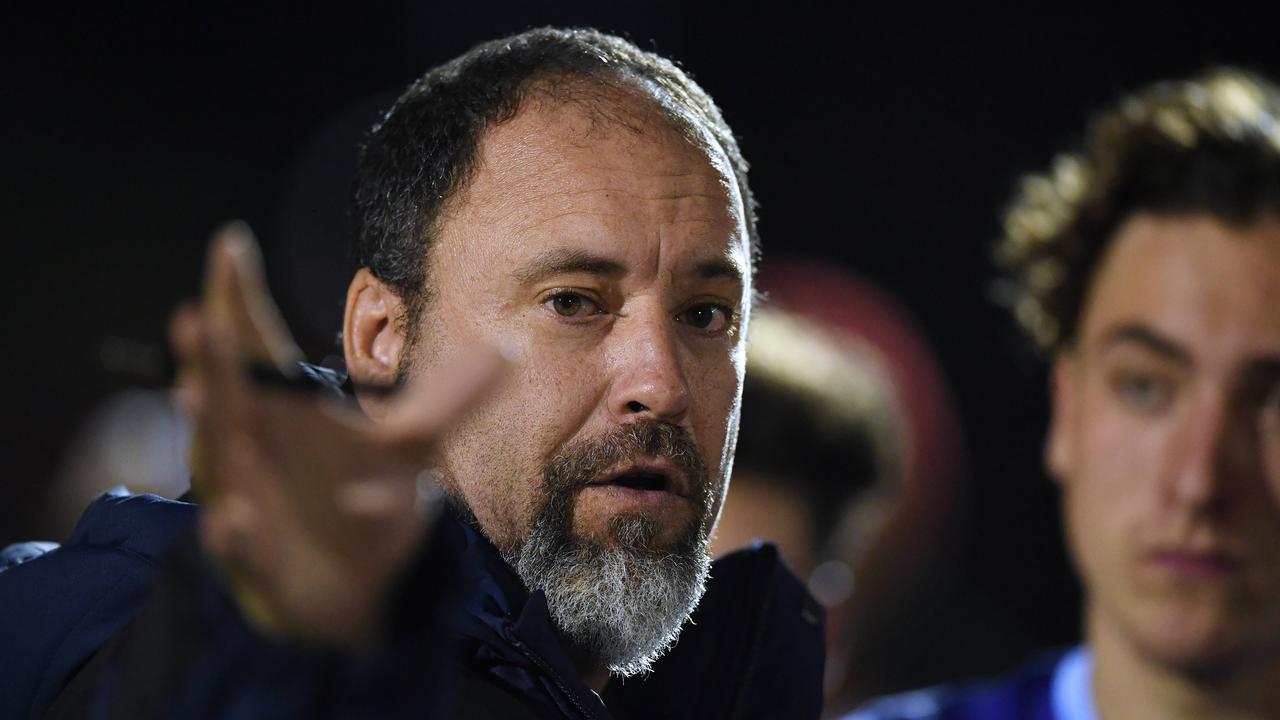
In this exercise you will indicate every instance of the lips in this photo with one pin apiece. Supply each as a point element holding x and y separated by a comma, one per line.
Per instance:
<point>1195,565</point>
<point>655,476</point>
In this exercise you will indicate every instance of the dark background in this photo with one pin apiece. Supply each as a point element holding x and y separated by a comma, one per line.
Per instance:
<point>882,139</point>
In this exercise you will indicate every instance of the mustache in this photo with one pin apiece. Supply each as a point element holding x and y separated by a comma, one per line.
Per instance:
<point>576,466</point>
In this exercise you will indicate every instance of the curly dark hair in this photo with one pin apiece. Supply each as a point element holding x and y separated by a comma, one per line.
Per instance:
<point>1210,144</point>
<point>423,151</point>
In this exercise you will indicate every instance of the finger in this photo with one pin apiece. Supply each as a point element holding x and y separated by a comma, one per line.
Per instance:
<point>217,269</point>
<point>185,329</point>
<point>227,528</point>
<point>375,497</point>
<point>430,404</point>
<point>241,325</point>
<point>240,304</point>
<point>230,534</point>
<point>220,405</point>
<point>188,335</point>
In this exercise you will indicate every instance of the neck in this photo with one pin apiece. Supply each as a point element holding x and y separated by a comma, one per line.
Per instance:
<point>592,672</point>
<point>1130,684</point>
<point>596,678</point>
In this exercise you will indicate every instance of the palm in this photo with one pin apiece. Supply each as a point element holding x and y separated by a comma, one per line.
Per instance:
<point>309,507</point>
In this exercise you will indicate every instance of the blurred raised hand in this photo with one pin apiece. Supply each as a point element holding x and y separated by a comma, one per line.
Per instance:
<point>309,508</point>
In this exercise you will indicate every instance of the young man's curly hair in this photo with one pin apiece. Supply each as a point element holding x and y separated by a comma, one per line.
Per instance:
<point>1209,145</point>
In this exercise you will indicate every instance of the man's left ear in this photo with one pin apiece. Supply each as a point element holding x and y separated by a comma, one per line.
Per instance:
<point>372,333</point>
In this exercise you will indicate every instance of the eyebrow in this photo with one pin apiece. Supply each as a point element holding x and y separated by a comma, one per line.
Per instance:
<point>563,261</point>
<point>717,269</point>
<point>1134,333</point>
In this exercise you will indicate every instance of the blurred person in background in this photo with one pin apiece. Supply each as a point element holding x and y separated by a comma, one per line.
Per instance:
<point>1147,268</point>
<point>905,542</point>
<point>820,444</point>
<point>856,452</point>
<point>817,463</point>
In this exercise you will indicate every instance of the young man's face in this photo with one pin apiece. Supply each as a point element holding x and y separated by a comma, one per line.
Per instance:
<point>1166,440</point>
<point>613,260</point>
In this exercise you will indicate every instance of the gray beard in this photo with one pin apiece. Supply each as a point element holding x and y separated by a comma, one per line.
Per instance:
<point>623,604</point>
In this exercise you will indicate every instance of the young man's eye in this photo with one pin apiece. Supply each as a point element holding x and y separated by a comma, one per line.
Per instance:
<point>1144,392</point>
<point>707,317</point>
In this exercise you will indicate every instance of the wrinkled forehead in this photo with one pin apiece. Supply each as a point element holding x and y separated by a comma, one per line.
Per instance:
<point>565,114</point>
<point>569,152</point>
<point>639,105</point>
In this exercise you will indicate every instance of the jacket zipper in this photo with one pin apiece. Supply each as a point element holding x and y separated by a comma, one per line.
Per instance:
<point>555,677</point>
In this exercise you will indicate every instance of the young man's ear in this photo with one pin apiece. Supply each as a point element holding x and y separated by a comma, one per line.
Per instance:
<point>1060,441</point>
<point>372,337</point>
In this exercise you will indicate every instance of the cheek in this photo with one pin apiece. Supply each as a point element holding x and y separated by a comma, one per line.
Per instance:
<point>559,389</point>
<point>1113,493</point>
<point>1271,462</point>
<point>715,423</point>
<point>1267,509</point>
<point>716,389</point>
<point>490,472</point>
<point>496,456</point>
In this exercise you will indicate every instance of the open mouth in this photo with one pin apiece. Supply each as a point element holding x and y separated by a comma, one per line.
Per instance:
<point>646,477</point>
<point>642,480</point>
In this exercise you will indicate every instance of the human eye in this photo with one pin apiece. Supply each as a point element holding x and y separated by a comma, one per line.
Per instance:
<point>708,317</point>
<point>1146,392</point>
<point>571,305</point>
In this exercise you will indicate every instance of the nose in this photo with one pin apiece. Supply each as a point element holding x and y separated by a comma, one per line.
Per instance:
<point>1214,454</point>
<point>649,379</point>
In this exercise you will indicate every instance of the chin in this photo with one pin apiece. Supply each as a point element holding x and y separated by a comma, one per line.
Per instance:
<point>1206,642</point>
<point>640,532</point>
<point>635,528</point>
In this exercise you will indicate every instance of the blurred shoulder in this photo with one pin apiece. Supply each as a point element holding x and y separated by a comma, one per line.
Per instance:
<point>1027,693</point>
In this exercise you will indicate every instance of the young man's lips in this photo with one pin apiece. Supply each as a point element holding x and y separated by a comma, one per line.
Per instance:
<point>1194,566</point>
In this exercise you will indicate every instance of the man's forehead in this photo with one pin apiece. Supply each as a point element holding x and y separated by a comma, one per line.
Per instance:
<point>552,137</point>
<point>555,166</point>
<point>1192,279</point>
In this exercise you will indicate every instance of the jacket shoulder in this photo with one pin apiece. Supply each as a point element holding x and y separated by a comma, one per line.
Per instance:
<point>63,603</point>
<point>18,553</point>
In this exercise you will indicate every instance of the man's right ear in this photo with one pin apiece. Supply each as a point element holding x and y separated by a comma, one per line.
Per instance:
<point>372,330</point>
<point>1064,425</point>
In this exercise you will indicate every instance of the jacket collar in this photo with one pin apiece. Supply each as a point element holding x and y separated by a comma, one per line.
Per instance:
<point>508,631</point>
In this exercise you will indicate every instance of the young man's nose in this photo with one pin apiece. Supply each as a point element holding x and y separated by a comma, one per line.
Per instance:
<point>1215,451</point>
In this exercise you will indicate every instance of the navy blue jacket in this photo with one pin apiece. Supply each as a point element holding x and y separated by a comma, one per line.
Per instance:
<point>127,619</point>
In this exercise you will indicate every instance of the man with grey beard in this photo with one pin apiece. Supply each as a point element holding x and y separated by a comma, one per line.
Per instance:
<point>556,243</point>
